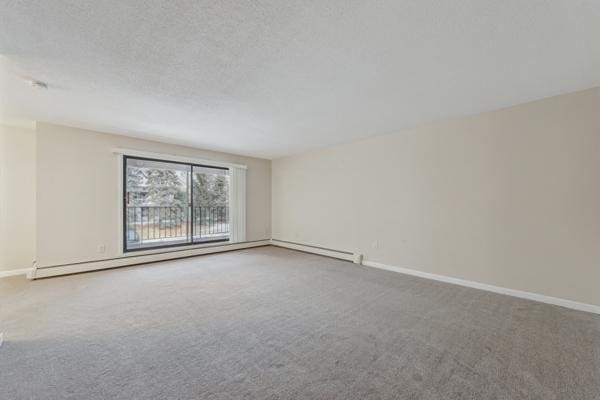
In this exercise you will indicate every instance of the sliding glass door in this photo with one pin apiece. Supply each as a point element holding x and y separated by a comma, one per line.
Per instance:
<point>169,203</point>
<point>210,198</point>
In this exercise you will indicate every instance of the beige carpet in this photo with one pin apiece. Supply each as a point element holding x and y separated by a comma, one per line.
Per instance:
<point>270,323</point>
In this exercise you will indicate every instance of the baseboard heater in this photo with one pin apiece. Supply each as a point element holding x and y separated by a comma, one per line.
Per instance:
<point>45,272</point>
<point>86,266</point>
<point>359,259</point>
<point>341,254</point>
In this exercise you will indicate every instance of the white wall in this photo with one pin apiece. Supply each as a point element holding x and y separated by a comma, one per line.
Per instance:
<point>509,198</point>
<point>77,202</point>
<point>17,198</point>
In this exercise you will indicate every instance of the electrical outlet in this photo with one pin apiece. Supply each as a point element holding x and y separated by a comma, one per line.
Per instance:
<point>375,244</point>
<point>101,248</point>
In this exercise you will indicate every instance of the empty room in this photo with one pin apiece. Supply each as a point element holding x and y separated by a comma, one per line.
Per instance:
<point>300,200</point>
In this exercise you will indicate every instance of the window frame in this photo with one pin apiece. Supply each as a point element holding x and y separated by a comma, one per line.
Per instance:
<point>190,205</point>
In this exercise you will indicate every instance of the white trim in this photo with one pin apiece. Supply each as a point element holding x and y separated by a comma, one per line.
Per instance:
<point>15,272</point>
<point>355,257</point>
<point>342,255</point>
<point>141,259</point>
<point>490,288</point>
<point>174,157</point>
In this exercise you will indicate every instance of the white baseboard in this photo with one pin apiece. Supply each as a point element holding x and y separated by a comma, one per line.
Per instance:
<point>46,272</point>
<point>342,255</point>
<point>15,272</point>
<point>349,256</point>
<point>490,288</point>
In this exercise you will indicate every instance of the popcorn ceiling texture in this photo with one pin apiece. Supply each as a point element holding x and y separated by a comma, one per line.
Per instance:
<point>271,78</point>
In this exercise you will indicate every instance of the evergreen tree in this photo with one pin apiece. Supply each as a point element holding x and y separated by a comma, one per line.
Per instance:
<point>135,178</point>
<point>201,187</point>
<point>211,190</point>
<point>220,190</point>
<point>135,181</point>
<point>164,188</point>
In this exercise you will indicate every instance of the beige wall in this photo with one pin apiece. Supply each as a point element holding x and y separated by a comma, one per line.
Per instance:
<point>509,198</point>
<point>77,192</point>
<point>17,198</point>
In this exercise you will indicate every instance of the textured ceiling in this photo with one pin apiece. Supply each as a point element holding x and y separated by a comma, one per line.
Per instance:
<point>270,78</point>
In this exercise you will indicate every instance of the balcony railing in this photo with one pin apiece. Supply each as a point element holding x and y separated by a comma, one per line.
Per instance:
<point>156,225</point>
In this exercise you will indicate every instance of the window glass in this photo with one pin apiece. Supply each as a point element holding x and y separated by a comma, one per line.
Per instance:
<point>170,204</point>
